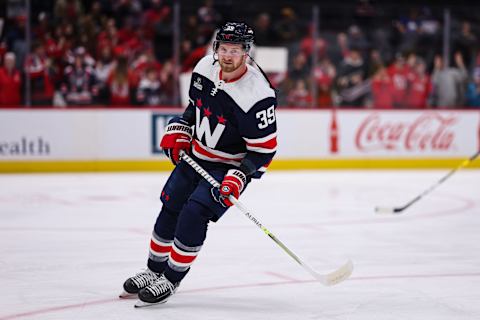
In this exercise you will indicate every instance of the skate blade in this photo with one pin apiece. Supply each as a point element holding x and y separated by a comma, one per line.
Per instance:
<point>143,304</point>
<point>126,295</point>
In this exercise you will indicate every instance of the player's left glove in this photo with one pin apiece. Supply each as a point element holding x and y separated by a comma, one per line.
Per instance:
<point>177,137</point>
<point>233,184</point>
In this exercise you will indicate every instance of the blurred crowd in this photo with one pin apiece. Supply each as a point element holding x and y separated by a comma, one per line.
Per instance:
<point>391,66</point>
<point>121,53</point>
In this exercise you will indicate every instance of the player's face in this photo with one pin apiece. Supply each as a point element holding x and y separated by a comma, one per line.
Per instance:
<point>231,56</point>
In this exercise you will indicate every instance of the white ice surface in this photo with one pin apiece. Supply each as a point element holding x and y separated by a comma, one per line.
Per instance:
<point>68,241</point>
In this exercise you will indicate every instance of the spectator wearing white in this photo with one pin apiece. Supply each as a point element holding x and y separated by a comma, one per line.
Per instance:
<point>103,68</point>
<point>148,92</point>
<point>449,83</point>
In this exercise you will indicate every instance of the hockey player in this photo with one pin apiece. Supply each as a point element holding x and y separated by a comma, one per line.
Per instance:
<point>232,107</point>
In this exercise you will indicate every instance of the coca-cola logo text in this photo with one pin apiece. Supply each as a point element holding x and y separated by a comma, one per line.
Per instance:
<point>430,131</point>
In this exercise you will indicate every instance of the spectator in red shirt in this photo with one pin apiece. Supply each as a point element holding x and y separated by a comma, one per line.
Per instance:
<point>399,73</point>
<point>382,87</point>
<point>420,86</point>
<point>299,96</point>
<point>156,13</point>
<point>324,74</point>
<point>119,83</point>
<point>39,68</point>
<point>324,98</point>
<point>307,45</point>
<point>143,62</point>
<point>108,37</point>
<point>10,82</point>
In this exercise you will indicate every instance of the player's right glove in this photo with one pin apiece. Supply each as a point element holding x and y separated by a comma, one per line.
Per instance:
<point>232,185</point>
<point>178,136</point>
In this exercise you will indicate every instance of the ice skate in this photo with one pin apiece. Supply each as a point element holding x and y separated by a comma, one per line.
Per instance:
<point>156,293</point>
<point>133,285</point>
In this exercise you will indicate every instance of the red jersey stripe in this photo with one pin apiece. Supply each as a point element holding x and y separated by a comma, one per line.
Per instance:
<point>208,154</point>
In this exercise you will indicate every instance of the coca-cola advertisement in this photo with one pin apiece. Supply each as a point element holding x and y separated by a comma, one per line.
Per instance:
<point>306,137</point>
<point>403,133</point>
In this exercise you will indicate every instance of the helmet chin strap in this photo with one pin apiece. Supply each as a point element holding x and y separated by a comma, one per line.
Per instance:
<point>264,74</point>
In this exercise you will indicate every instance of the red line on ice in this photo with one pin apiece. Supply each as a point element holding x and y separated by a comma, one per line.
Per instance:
<point>227,287</point>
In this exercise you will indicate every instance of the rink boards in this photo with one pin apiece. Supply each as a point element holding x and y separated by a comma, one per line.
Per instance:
<point>56,140</point>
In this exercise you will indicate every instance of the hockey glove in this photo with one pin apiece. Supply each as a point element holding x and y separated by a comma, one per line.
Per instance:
<point>178,136</point>
<point>233,184</point>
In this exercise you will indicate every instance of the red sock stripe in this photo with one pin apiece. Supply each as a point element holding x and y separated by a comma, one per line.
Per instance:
<point>180,258</point>
<point>159,248</point>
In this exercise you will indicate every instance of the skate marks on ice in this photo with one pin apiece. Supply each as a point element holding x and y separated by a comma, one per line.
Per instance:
<point>201,300</point>
<point>78,249</point>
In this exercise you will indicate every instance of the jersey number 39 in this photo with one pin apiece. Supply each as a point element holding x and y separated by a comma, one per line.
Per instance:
<point>266,117</point>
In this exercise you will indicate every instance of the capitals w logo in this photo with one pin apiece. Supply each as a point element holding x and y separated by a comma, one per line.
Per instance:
<point>202,127</point>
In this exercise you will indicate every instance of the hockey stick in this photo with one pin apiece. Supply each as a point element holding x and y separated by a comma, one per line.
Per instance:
<point>328,279</point>
<point>398,210</point>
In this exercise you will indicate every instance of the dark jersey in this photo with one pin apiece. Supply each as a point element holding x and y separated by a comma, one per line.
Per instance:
<point>235,123</point>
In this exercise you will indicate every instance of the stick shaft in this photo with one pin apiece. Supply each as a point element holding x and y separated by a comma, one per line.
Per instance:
<point>244,210</point>
<point>439,182</point>
<point>247,213</point>
<point>340,274</point>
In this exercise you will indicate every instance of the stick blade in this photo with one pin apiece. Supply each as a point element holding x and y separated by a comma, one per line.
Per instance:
<point>126,295</point>
<point>385,210</point>
<point>142,304</point>
<point>337,276</point>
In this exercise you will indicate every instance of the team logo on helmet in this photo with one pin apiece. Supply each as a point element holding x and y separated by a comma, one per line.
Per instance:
<point>235,32</point>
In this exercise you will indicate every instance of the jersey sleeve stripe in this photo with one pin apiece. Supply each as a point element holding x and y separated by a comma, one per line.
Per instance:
<point>262,139</point>
<point>263,147</point>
